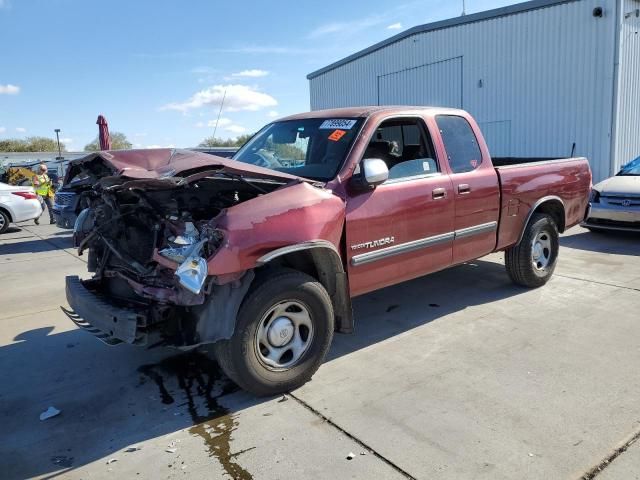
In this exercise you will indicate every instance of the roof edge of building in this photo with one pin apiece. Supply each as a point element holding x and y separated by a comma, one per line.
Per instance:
<point>439,25</point>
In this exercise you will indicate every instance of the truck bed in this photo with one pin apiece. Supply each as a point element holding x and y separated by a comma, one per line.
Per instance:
<point>525,181</point>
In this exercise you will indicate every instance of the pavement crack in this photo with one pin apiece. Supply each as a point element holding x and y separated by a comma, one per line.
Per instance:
<point>594,471</point>
<point>369,449</point>
<point>598,282</point>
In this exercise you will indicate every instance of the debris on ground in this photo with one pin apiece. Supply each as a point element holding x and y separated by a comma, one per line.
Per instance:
<point>283,399</point>
<point>363,453</point>
<point>132,449</point>
<point>351,456</point>
<point>171,450</point>
<point>111,460</point>
<point>49,412</point>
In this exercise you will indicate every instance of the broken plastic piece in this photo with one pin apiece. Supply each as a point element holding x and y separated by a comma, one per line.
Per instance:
<point>351,456</point>
<point>171,450</point>
<point>49,412</point>
<point>111,460</point>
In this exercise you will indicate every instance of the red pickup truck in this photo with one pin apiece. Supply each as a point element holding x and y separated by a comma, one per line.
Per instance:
<point>261,255</point>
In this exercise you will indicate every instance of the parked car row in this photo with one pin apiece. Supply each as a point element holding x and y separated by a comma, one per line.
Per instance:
<point>17,204</point>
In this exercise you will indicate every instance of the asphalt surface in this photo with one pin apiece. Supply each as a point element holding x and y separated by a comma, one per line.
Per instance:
<point>452,376</point>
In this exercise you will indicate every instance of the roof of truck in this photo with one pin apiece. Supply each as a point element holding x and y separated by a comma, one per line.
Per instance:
<point>365,111</point>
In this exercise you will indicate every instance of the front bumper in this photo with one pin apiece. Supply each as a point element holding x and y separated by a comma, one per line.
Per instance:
<point>109,323</point>
<point>612,217</point>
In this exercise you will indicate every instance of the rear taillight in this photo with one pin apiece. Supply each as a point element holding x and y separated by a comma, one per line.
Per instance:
<point>25,195</point>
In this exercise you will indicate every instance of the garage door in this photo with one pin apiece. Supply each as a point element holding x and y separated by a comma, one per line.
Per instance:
<point>436,84</point>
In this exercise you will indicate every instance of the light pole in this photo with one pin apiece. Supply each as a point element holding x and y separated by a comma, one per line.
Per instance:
<point>57,130</point>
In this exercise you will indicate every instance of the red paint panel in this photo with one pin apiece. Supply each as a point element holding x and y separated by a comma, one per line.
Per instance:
<point>284,217</point>
<point>525,185</point>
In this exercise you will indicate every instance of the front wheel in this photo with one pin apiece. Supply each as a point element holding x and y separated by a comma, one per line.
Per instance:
<point>4,222</point>
<point>531,262</point>
<point>283,331</point>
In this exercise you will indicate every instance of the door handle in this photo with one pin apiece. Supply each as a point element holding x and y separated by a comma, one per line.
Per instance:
<point>464,188</point>
<point>438,193</point>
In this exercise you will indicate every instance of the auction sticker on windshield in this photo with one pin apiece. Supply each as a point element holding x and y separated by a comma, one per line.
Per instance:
<point>337,135</point>
<point>341,123</point>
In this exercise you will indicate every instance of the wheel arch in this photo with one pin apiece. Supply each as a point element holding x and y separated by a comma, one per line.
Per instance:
<point>7,211</point>
<point>321,260</point>
<point>551,205</point>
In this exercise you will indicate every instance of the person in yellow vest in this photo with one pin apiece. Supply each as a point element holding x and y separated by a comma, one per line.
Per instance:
<point>44,189</point>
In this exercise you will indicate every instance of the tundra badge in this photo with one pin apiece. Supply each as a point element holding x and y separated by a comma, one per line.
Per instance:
<point>374,243</point>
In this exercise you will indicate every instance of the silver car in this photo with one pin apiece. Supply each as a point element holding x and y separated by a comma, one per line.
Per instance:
<point>615,202</point>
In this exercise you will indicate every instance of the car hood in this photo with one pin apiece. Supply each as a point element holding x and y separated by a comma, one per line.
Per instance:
<point>164,163</point>
<point>619,185</point>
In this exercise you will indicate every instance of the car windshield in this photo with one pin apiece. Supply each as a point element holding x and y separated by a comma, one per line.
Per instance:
<point>631,168</point>
<point>312,147</point>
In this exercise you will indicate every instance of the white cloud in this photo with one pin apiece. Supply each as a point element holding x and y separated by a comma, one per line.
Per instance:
<point>223,124</point>
<point>254,73</point>
<point>9,89</point>
<point>272,114</point>
<point>3,129</point>
<point>351,27</point>
<point>21,129</point>
<point>161,146</point>
<point>237,129</point>
<point>66,141</point>
<point>238,97</point>
<point>395,26</point>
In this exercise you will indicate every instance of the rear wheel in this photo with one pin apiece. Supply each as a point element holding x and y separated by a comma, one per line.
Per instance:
<point>532,262</point>
<point>283,331</point>
<point>4,222</point>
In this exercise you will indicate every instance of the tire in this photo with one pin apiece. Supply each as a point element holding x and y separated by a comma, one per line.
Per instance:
<point>4,221</point>
<point>532,266</point>
<point>249,357</point>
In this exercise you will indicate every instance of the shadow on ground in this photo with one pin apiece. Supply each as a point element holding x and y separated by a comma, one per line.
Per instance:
<point>614,242</point>
<point>115,397</point>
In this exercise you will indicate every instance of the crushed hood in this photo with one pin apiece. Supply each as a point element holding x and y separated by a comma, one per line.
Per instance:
<point>166,162</point>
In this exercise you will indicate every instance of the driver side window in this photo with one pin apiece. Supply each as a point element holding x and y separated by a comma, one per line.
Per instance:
<point>405,146</point>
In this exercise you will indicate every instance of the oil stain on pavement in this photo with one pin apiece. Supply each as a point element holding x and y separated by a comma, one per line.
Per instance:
<point>202,383</point>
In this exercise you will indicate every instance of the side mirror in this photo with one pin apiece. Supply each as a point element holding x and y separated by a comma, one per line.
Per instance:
<point>374,172</point>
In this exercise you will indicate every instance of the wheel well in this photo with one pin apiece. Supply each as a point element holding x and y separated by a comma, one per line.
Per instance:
<point>7,212</point>
<point>325,265</point>
<point>555,209</point>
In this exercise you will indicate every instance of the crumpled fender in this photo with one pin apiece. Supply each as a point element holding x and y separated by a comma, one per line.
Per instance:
<point>287,216</point>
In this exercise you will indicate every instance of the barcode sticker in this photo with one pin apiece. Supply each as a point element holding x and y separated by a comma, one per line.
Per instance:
<point>338,123</point>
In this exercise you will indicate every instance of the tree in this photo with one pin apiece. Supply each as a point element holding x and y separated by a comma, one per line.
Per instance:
<point>30,144</point>
<point>119,141</point>
<point>231,142</point>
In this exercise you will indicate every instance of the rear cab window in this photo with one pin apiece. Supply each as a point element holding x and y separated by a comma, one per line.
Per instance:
<point>460,143</point>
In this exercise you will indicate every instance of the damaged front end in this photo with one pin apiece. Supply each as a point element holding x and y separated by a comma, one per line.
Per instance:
<point>148,243</point>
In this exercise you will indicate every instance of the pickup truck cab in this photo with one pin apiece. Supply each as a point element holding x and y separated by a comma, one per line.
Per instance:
<point>261,255</point>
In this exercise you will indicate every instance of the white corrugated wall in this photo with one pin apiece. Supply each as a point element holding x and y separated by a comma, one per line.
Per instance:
<point>627,132</point>
<point>537,81</point>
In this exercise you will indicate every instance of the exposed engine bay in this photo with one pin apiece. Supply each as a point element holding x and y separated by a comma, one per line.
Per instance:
<point>152,241</point>
<point>148,240</point>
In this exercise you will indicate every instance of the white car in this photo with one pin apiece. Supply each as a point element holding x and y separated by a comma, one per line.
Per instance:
<point>615,202</point>
<point>17,204</point>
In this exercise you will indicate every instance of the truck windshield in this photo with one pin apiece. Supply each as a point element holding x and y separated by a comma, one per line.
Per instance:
<point>631,168</point>
<point>312,147</point>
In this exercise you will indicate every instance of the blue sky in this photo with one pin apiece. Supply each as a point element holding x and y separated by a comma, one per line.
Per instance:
<point>158,69</point>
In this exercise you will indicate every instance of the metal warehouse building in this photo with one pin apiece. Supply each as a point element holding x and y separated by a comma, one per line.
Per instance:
<point>538,76</point>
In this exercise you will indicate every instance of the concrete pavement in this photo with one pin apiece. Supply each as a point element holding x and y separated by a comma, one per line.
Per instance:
<point>455,375</point>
